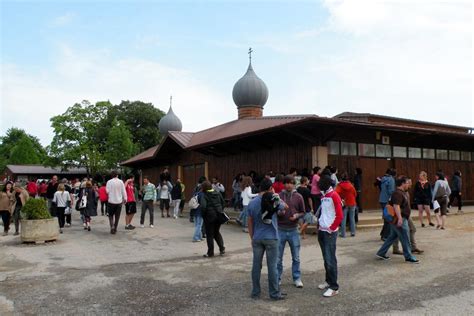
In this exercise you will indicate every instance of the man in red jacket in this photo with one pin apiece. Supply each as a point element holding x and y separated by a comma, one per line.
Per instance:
<point>329,221</point>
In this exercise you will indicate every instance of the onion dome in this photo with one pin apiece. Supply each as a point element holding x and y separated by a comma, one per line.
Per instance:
<point>170,122</point>
<point>250,90</point>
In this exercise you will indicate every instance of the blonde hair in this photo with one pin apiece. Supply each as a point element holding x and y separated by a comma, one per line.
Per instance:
<point>61,187</point>
<point>88,184</point>
<point>424,175</point>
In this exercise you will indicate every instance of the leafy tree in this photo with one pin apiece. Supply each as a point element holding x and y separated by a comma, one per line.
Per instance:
<point>140,118</point>
<point>24,152</point>
<point>119,145</point>
<point>15,142</point>
<point>76,140</point>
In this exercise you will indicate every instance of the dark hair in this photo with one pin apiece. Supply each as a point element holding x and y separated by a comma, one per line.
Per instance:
<point>202,179</point>
<point>5,186</point>
<point>392,172</point>
<point>326,172</point>
<point>457,173</point>
<point>131,176</point>
<point>265,185</point>
<point>113,174</point>
<point>325,182</point>
<point>146,177</point>
<point>344,176</point>
<point>440,175</point>
<point>293,170</point>
<point>358,171</point>
<point>333,169</point>
<point>279,178</point>
<point>316,169</point>
<point>400,180</point>
<point>289,179</point>
<point>206,186</point>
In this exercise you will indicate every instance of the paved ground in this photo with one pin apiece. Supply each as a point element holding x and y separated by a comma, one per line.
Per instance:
<point>159,271</point>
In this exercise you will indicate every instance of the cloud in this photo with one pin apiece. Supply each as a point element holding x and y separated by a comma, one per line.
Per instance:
<point>29,98</point>
<point>63,20</point>
<point>403,58</point>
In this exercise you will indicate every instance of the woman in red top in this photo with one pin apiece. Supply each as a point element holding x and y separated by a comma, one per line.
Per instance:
<point>278,185</point>
<point>348,194</point>
<point>103,199</point>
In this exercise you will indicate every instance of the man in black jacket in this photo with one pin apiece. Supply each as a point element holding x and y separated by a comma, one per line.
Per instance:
<point>212,207</point>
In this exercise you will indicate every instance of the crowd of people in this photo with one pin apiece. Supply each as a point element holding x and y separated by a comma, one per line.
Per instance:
<point>275,210</point>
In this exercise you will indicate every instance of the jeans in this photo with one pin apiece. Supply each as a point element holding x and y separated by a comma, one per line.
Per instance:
<point>402,233</point>
<point>176,207</point>
<point>6,220</point>
<point>386,225</point>
<point>243,217</point>
<point>212,232</point>
<point>197,227</point>
<point>348,210</point>
<point>61,216</point>
<point>148,204</point>
<point>412,228</point>
<point>455,195</point>
<point>259,247</point>
<point>327,242</point>
<point>293,239</point>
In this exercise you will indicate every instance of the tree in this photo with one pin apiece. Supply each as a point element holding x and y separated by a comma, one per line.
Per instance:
<point>10,149</point>
<point>119,145</point>
<point>24,152</point>
<point>76,140</point>
<point>140,118</point>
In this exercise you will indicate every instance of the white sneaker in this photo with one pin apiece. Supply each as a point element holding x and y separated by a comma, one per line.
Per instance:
<point>299,284</point>
<point>323,286</point>
<point>330,293</point>
<point>142,226</point>
<point>151,226</point>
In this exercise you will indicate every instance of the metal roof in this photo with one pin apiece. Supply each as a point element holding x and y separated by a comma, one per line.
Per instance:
<point>250,126</point>
<point>39,169</point>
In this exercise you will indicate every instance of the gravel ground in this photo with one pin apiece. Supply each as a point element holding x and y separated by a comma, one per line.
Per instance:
<point>159,271</point>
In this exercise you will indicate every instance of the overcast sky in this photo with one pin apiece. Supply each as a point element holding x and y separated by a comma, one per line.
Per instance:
<point>406,58</point>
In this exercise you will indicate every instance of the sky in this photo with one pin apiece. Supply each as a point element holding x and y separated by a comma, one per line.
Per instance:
<point>404,58</point>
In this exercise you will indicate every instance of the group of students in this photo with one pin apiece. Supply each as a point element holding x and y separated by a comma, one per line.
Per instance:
<point>307,186</point>
<point>395,192</point>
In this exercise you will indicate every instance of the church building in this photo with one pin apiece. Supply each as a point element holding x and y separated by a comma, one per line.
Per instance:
<point>255,142</point>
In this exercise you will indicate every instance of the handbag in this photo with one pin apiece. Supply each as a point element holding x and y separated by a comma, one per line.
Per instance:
<point>222,217</point>
<point>194,202</point>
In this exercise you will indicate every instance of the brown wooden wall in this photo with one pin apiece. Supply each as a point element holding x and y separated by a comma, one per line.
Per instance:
<point>375,167</point>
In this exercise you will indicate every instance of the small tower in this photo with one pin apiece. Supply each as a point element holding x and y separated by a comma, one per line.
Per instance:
<point>250,93</point>
<point>170,122</point>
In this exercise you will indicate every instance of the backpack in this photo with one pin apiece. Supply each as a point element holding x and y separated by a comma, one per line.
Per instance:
<point>194,202</point>
<point>389,214</point>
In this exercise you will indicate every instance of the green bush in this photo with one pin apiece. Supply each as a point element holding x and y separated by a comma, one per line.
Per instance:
<point>35,209</point>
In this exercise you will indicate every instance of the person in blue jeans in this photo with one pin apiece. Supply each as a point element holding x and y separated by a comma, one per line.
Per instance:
<point>288,229</point>
<point>400,229</point>
<point>198,220</point>
<point>264,240</point>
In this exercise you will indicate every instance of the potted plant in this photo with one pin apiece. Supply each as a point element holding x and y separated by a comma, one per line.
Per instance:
<point>37,225</point>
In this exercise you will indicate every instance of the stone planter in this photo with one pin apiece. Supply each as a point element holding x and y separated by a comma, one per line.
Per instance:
<point>39,230</point>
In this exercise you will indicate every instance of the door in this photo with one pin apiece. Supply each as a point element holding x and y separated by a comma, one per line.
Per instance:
<point>371,169</point>
<point>191,175</point>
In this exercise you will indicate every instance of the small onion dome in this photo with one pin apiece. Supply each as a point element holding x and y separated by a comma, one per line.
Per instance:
<point>170,123</point>
<point>250,90</point>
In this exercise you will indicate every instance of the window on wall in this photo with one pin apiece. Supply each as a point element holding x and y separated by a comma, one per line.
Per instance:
<point>428,153</point>
<point>466,156</point>
<point>442,154</point>
<point>348,149</point>
<point>414,152</point>
<point>333,148</point>
<point>383,150</point>
<point>454,155</point>
<point>399,152</point>
<point>367,150</point>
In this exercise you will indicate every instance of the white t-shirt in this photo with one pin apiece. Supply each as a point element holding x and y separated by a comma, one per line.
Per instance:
<point>164,192</point>
<point>61,198</point>
<point>116,191</point>
<point>247,196</point>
